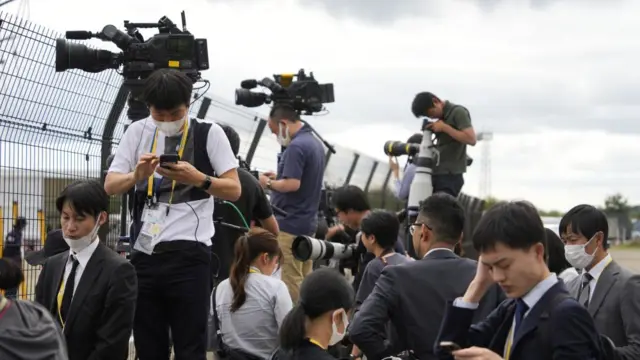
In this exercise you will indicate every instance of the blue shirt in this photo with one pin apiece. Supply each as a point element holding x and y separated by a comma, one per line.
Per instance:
<point>302,160</point>
<point>403,186</point>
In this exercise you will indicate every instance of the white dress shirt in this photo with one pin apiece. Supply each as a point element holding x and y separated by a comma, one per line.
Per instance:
<point>83,257</point>
<point>595,273</point>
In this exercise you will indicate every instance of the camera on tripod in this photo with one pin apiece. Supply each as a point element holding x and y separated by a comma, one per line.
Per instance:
<point>170,48</point>
<point>303,92</point>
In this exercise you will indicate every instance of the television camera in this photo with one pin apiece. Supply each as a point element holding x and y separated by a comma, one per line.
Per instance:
<point>301,91</point>
<point>170,48</point>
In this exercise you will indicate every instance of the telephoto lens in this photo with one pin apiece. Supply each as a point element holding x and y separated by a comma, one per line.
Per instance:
<point>307,248</point>
<point>399,148</point>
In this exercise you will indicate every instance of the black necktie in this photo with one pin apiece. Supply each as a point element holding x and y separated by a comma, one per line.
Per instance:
<point>521,309</point>
<point>585,289</point>
<point>68,289</point>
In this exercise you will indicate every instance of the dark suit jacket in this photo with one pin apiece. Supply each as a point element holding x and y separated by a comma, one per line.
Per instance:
<point>573,336</point>
<point>100,318</point>
<point>615,308</point>
<point>414,296</point>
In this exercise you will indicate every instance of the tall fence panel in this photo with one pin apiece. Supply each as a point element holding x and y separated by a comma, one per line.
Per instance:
<point>50,128</point>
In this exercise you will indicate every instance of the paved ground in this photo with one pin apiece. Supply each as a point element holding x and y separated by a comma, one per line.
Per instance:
<point>628,257</point>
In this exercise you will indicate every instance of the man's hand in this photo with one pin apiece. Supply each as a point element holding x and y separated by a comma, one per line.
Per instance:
<point>270,174</point>
<point>480,283</point>
<point>264,179</point>
<point>475,353</point>
<point>145,167</point>
<point>394,166</point>
<point>182,172</point>
<point>438,126</point>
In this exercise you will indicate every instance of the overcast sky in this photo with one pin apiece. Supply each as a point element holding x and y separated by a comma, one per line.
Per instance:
<point>555,81</point>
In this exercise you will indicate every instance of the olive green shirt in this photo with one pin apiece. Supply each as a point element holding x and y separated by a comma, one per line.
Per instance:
<point>453,154</point>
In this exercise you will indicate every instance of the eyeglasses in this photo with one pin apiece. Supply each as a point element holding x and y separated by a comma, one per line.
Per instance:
<point>412,228</point>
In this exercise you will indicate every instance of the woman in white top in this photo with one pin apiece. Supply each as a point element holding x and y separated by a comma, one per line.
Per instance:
<point>251,304</point>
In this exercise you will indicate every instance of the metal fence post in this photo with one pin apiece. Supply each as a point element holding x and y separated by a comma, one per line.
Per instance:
<point>204,108</point>
<point>356,157</point>
<point>107,143</point>
<point>262,123</point>
<point>383,191</point>
<point>373,171</point>
<point>327,157</point>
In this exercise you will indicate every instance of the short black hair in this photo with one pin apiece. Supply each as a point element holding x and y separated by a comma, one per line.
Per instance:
<point>422,102</point>
<point>445,216</point>
<point>586,220</point>
<point>554,253</point>
<point>515,224</point>
<point>382,224</point>
<point>234,138</point>
<point>415,139</point>
<point>283,112</point>
<point>167,89</point>
<point>350,197</point>
<point>86,197</point>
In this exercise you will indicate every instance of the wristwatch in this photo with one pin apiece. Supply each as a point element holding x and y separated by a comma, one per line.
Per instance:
<point>269,184</point>
<point>206,184</point>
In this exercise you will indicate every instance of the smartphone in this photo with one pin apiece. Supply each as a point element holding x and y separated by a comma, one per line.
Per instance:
<point>449,346</point>
<point>168,159</point>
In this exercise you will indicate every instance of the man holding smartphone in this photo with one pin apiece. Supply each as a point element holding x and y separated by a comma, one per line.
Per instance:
<point>171,160</point>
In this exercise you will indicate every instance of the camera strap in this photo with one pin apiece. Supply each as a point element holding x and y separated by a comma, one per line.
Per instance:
<point>152,187</point>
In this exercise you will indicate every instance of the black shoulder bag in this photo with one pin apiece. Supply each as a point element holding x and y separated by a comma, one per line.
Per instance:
<point>223,351</point>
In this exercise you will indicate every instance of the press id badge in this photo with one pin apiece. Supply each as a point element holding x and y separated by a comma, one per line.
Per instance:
<point>153,219</point>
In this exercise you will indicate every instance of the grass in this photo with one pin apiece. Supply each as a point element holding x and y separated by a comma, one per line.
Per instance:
<point>631,245</point>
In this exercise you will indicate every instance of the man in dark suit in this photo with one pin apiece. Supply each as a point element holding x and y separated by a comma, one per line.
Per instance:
<point>610,292</point>
<point>414,295</point>
<point>540,320</point>
<point>90,290</point>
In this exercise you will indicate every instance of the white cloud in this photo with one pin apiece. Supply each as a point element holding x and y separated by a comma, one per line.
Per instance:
<point>556,84</point>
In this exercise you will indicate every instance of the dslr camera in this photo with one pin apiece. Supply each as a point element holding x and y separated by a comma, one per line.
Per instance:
<point>170,48</point>
<point>303,92</point>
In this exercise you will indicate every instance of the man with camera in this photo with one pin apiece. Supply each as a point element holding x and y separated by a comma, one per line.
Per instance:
<point>454,132</point>
<point>296,188</point>
<point>352,206</point>
<point>253,206</point>
<point>171,160</point>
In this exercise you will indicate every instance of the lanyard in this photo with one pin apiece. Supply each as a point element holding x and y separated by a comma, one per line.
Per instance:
<point>254,270</point>
<point>63,284</point>
<point>315,342</point>
<point>507,350</point>
<point>154,143</point>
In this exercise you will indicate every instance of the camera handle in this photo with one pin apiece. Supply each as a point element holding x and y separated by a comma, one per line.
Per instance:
<point>325,142</point>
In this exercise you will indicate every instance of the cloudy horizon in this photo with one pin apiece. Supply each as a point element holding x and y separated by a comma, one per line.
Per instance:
<point>554,81</point>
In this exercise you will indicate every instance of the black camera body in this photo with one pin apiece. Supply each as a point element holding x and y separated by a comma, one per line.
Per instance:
<point>170,48</point>
<point>301,91</point>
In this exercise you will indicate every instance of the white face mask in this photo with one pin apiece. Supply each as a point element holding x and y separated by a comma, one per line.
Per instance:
<point>284,138</point>
<point>77,245</point>
<point>336,336</point>
<point>577,255</point>
<point>170,128</point>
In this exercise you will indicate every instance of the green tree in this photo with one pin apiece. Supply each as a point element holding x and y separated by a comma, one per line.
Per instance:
<point>616,203</point>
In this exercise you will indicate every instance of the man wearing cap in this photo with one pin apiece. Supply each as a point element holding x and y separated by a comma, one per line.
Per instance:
<point>12,244</point>
<point>53,245</point>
